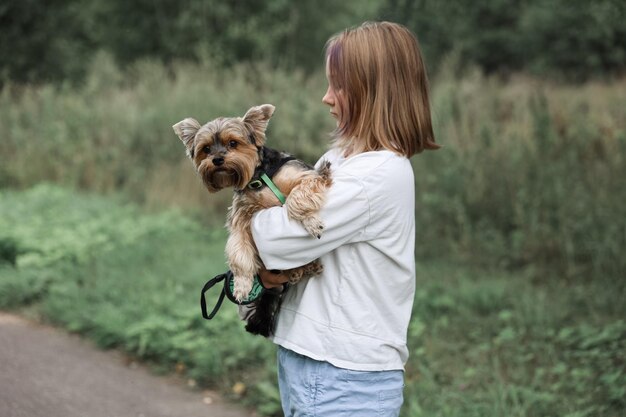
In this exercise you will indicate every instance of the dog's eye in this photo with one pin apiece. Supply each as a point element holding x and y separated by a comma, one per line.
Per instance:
<point>206,149</point>
<point>232,144</point>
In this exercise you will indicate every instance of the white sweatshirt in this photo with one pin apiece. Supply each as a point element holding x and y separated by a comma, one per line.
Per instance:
<point>355,315</point>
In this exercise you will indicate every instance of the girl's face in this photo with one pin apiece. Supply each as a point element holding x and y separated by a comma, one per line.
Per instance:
<point>332,99</point>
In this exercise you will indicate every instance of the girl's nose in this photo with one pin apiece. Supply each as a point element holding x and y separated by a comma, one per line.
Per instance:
<point>328,98</point>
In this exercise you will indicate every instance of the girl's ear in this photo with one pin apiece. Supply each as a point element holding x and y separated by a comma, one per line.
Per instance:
<point>256,119</point>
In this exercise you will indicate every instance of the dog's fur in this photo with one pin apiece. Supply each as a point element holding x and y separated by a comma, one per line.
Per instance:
<point>230,152</point>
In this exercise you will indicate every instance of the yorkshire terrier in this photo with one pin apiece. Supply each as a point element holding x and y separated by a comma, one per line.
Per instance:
<point>231,152</point>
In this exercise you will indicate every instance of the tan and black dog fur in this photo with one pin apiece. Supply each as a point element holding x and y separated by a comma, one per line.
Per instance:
<point>230,152</point>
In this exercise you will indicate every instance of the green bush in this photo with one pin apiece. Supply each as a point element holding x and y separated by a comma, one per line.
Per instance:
<point>562,39</point>
<point>127,280</point>
<point>488,343</point>
<point>55,41</point>
<point>527,177</point>
<point>115,134</point>
<point>520,228</point>
<point>8,250</point>
<point>482,342</point>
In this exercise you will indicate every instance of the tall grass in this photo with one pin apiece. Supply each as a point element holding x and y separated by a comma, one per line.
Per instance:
<point>114,133</point>
<point>483,342</point>
<point>127,280</point>
<point>521,220</point>
<point>530,173</point>
<point>530,176</point>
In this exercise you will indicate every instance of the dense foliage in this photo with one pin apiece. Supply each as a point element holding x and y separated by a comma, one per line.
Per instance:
<point>575,39</point>
<point>529,175</point>
<point>56,40</point>
<point>483,342</point>
<point>521,216</point>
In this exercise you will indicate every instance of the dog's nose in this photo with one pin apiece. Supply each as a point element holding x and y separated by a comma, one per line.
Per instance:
<point>218,161</point>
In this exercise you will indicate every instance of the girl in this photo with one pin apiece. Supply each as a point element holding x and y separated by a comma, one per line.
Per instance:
<point>342,335</point>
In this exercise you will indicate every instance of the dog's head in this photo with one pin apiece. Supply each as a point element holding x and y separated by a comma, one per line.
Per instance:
<point>225,151</point>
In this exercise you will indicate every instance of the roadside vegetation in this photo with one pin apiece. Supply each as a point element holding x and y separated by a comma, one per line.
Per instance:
<point>521,220</point>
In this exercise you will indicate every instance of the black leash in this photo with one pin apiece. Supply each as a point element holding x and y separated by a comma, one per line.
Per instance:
<point>227,291</point>
<point>207,287</point>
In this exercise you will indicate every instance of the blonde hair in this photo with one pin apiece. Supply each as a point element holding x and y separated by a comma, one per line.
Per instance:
<point>378,72</point>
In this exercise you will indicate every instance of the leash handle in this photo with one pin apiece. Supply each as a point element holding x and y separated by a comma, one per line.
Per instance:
<point>207,287</point>
<point>227,291</point>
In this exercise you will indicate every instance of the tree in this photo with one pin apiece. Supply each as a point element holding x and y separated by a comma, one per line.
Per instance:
<point>42,40</point>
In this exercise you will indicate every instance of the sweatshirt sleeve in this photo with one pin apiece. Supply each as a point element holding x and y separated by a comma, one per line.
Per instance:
<point>283,243</point>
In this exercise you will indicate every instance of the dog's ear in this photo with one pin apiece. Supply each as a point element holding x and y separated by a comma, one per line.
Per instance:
<point>257,119</point>
<point>186,131</point>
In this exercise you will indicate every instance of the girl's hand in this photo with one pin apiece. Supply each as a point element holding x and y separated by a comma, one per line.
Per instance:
<point>272,279</point>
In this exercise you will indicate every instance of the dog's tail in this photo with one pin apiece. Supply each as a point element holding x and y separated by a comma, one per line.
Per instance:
<point>324,170</point>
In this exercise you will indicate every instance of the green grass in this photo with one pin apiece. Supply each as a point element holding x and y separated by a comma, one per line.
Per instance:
<point>114,133</point>
<point>491,343</point>
<point>529,175</point>
<point>126,279</point>
<point>521,229</point>
<point>483,341</point>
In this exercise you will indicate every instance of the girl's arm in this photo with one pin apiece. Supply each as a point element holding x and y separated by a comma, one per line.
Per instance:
<point>284,244</point>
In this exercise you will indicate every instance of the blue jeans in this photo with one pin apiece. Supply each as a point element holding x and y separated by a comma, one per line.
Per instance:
<point>310,388</point>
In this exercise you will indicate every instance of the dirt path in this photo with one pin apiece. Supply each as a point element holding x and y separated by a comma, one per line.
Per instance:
<point>45,372</point>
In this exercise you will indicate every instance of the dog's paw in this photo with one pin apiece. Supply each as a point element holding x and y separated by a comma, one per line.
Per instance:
<point>314,226</point>
<point>313,268</point>
<point>295,275</point>
<point>242,288</point>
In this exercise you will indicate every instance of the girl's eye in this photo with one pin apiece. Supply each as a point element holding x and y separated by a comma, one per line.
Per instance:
<point>206,149</point>
<point>232,144</point>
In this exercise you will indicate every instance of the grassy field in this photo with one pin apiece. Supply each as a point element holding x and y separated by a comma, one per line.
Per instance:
<point>484,342</point>
<point>521,220</point>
